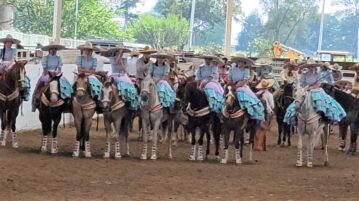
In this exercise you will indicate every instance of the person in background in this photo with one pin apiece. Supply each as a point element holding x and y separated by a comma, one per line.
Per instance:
<point>336,71</point>
<point>223,71</point>
<point>326,73</point>
<point>101,60</point>
<point>86,62</point>
<point>143,64</point>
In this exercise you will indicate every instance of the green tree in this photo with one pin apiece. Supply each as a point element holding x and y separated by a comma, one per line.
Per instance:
<point>159,32</point>
<point>94,21</point>
<point>252,30</point>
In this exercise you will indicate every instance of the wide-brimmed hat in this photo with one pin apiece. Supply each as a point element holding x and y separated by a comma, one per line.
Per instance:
<point>147,50</point>
<point>247,61</point>
<point>219,61</point>
<point>263,62</point>
<point>100,49</point>
<point>10,39</point>
<point>87,46</point>
<point>53,46</point>
<point>290,63</point>
<point>207,56</point>
<point>162,55</point>
<point>354,67</point>
<point>118,47</point>
<point>336,67</point>
<point>135,52</point>
<point>311,64</point>
<point>265,84</point>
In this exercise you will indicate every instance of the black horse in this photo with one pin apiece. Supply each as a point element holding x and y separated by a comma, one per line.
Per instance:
<point>351,106</point>
<point>200,116</point>
<point>50,109</point>
<point>281,105</point>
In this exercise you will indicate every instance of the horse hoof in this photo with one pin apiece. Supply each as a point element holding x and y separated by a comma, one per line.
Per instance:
<point>224,161</point>
<point>106,155</point>
<point>238,161</point>
<point>192,158</point>
<point>310,164</point>
<point>299,164</point>
<point>53,151</point>
<point>75,155</point>
<point>15,145</point>
<point>118,156</point>
<point>153,157</point>
<point>143,157</point>
<point>170,157</point>
<point>326,163</point>
<point>43,149</point>
<point>88,155</point>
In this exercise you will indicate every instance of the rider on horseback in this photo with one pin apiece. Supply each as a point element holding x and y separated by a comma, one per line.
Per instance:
<point>143,64</point>
<point>207,77</point>
<point>52,63</point>
<point>327,75</point>
<point>238,76</point>
<point>127,89</point>
<point>7,60</point>
<point>322,102</point>
<point>159,72</point>
<point>265,70</point>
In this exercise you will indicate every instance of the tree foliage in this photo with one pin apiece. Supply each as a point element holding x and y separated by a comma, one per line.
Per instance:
<point>159,32</point>
<point>94,19</point>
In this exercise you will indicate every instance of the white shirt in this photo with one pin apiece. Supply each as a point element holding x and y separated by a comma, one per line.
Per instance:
<point>268,98</point>
<point>131,65</point>
<point>100,62</point>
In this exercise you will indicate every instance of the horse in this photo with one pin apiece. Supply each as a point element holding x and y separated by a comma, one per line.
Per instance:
<point>51,108</point>
<point>309,122</point>
<point>152,116</point>
<point>83,109</point>
<point>116,112</point>
<point>12,84</point>
<point>200,116</point>
<point>351,106</point>
<point>234,118</point>
<point>281,105</point>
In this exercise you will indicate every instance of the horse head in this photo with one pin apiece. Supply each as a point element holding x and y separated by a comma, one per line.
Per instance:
<point>147,90</point>
<point>301,98</point>
<point>230,97</point>
<point>17,74</point>
<point>108,93</point>
<point>82,85</point>
<point>54,87</point>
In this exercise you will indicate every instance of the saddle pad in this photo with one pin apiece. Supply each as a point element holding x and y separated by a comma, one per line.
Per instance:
<point>96,87</point>
<point>128,93</point>
<point>65,88</point>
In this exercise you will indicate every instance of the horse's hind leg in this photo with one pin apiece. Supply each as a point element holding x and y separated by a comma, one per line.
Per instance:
<point>353,138</point>
<point>145,133</point>
<point>171,133</point>
<point>200,143</point>
<point>343,130</point>
<point>108,129</point>
<point>192,156</point>
<point>3,133</point>
<point>252,133</point>
<point>300,150</point>
<point>280,125</point>
<point>325,144</point>
<point>226,133</point>
<point>86,137</point>
<point>310,148</point>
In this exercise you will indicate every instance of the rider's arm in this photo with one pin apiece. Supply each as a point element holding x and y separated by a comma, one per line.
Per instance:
<point>60,64</point>
<point>44,65</point>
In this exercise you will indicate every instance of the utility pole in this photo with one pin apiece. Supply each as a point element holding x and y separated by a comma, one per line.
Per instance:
<point>228,34</point>
<point>56,29</point>
<point>76,16</point>
<point>321,28</point>
<point>191,24</point>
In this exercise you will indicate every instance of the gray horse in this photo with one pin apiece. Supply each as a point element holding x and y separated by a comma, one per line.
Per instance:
<point>115,111</point>
<point>153,115</point>
<point>83,109</point>
<point>311,123</point>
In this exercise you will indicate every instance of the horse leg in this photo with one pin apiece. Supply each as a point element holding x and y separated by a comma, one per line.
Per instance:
<point>280,125</point>
<point>121,129</point>
<point>343,130</point>
<point>145,133</point>
<point>46,129</point>
<point>217,136</point>
<point>192,156</point>
<point>241,144</point>
<point>209,142</point>
<point>108,129</point>
<point>310,147</point>
<point>252,134</point>
<point>171,133</point>
<point>3,133</point>
<point>288,133</point>
<point>156,127</point>
<point>200,144</point>
<point>12,127</point>
<point>353,138</point>
<point>300,150</point>
<point>54,149</point>
<point>78,125</point>
<point>86,137</point>
<point>325,141</point>
<point>226,133</point>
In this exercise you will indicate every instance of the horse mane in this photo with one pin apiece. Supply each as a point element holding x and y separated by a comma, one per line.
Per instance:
<point>347,101</point>
<point>195,96</point>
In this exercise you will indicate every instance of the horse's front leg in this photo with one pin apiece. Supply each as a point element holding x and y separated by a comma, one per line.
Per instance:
<point>325,144</point>
<point>108,129</point>
<point>300,149</point>
<point>343,130</point>
<point>156,127</point>
<point>171,134</point>
<point>3,134</point>
<point>77,121</point>
<point>226,133</point>
<point>87,127</point>
<point>192,156</point>
<point>145,133</point>
<point>46,129</point>
<point>280,125</point>
<point>353,138</point>
<point>252,134</point>
<point>55,126</point>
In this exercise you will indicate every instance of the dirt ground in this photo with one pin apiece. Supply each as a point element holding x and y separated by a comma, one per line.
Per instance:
<point>27,175</point>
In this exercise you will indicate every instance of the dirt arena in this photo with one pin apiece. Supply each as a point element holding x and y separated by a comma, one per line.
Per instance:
<point>28,175</point>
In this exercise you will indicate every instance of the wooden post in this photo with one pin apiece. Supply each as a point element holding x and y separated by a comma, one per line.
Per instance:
<point>56,29</point>
<point>228,36</point>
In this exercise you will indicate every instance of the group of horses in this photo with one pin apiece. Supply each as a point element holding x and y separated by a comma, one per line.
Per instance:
<point>191,110</point>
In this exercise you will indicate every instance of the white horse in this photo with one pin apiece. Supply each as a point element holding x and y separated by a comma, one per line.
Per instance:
<point>311,123</point>
<point>153,115</point>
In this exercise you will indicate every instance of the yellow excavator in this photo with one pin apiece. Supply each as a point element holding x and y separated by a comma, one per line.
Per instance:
<point>281,51</point>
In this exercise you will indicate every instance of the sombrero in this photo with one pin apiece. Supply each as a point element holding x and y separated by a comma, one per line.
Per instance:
<point>311,64</point>
<point>354,67</point>
<point>118,47</point>
<point>290,63</point>
<point>245,60</point>
<point>219,61</point>
<point>265,83</point>
<point>327,65</point>
<point>263,62</point>
<point>207,56</point>
<point>100,49</point>
<point>53,46</point>
<point>10,39</point>
<point>135,53</point>
<point>86,46</point>
<point>147,50</point>
<point>162,55</point>
<point>336,67</point>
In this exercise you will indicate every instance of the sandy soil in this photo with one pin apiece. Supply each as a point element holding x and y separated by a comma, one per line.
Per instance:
<point>25,174</point>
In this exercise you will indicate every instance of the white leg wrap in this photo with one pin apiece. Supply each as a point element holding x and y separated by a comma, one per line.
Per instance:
<point>14,142</point>
<point>54,149</point>
<point>154,152</point>
<point>44,144</point>
<point>107,150</point>
<point>192,156</point>
<point>200,153</point>
<point>76,152</point>
<point>238,157</point>
<point>117,150</point>
<point>144,152</point>
<point>225,157</point>
<point>87,149</point>
<point>3,136</point>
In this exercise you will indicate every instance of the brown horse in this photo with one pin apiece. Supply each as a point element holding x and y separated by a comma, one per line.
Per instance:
<point>83,109</point>
<point>12,83</point>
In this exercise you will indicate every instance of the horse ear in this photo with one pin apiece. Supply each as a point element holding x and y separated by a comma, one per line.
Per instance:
<point>76,73</point>
<point>24,62</point>
<point>59,74</point>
